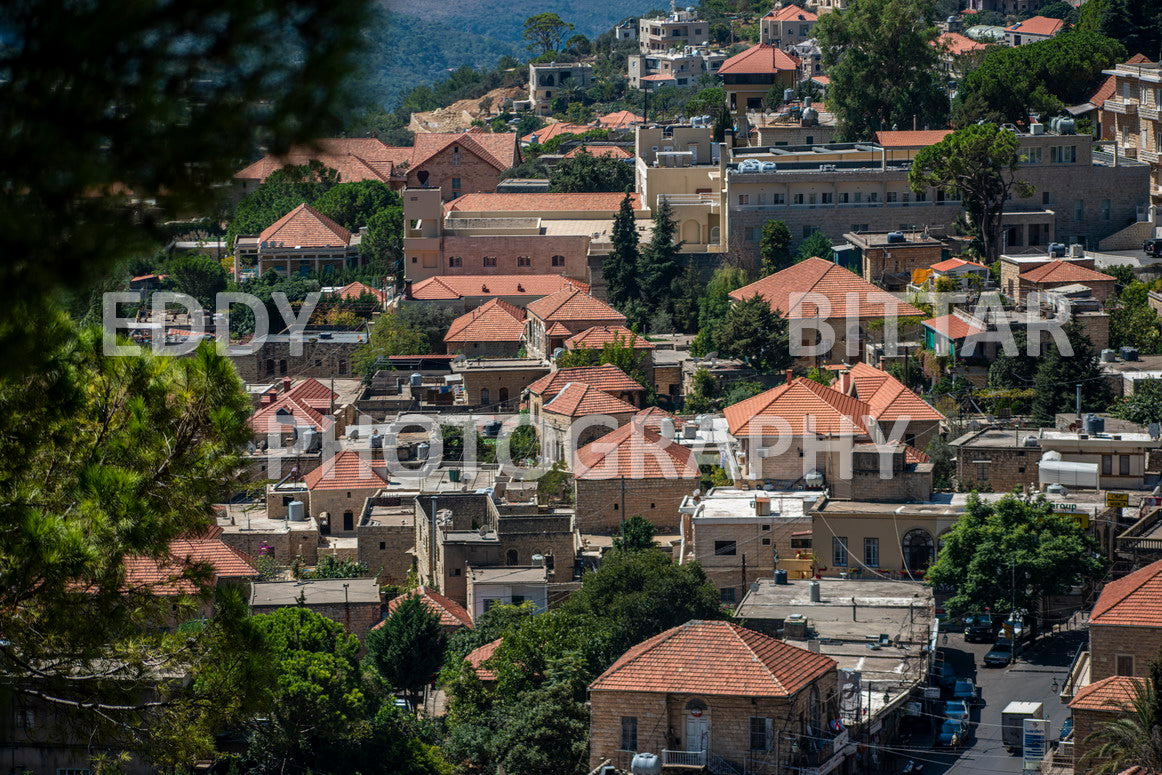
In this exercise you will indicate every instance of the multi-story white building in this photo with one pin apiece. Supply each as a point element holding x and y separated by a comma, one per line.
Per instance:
<point>679,68</point>
<point>786,26</point>
<point>678,30</point>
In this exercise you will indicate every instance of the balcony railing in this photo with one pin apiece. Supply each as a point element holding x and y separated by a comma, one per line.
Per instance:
<point>683,758</point>
<point>1125,107</point>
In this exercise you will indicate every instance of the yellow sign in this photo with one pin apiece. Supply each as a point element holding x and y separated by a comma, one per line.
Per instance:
<point>1117,500</point>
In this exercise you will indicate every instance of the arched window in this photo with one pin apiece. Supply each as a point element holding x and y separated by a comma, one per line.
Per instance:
<point>511,557</point>
<point>282,366</point>
<point>503,395</point>
<point>269,366</point>
<point>919,549</point>
<point>558,261</point>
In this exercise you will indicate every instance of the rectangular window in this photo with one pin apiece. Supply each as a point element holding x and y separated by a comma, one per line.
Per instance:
<point>873,196</point>
<point>766,542</point>
<point>922,196</point>
<point>1123,465</point>
<point>558,261</point>
<point>827,198</point>
<point>490,260</point>
<point>892,197</point>
<point>858,197</point>
<point>778,199</point>
<point>798,199</point>
<point>728,595</point>
<point>811,198</point>
<point>455,261</point>
<point>760,733</point>
<point>844,197</point>
<point>1079,209</point>
<point>629,733</point>
<point>25,718</point>
<point>859,227</point>
<point>725,548</point>
<point>1033,156</point>
<point>743,199</point>
<point>839,551</point>
<point>1105,209</point>
<point>871,552</point>
<point>455,182</point>
<point>982,472</point>
<point>524,261</point>
<point>1125,664</point>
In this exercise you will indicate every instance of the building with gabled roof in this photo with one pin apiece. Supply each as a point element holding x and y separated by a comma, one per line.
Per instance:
<point>749,75</point>
<point>606,377</point>
<point>338,488</point>
<point>633,471</point>
<point>619,119</point>
<point>494,329</point>
<point>284,416</point>
<point>1033,30</point>
<point>714,690</point>
<point>478,659</point>
<point>817,289</point>
<point>466,292</point>
<point>1058,274</point>
<point>453,616</point>
<point>598,336</point>
<point>304,240</point>
<point>1125,626</point>
<point>170,575</point>
<point>560,316</point>
<point>563,396</point>
<point>787,26</point>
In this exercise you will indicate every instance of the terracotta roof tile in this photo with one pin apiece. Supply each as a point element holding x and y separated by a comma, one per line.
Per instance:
<point>907,138</point>
<point>714,658</point>
<point>1109,85</point>
<point>1037,25</point>
<point>306,227</point>
<point>1134,600</point>
<point>345,471</point>
<point>313,393</point>
<point>451,613</point>
<point>1111,694</point>
<point>478,656</point>
<point>540,203</point>
<point>451,287</point>
<point>548,132</point>
<point>1063,272</point>
<point>569,304</point>
<point>956,44</point>
<point>791,13</point>
<point>578,399</point>
<point>804,405</point>
<point>266,419</point>
<point>952,326</point>
<point>164,576</point>
<point>356,289</point>
<point>599,336</point>
<point>651,417</point>
<point>559,329</point>
<point>817,275</point>
<point>763,58</point>
<point>635,451</point>
<point>954,263</point>
<point>499,150</point>
<point>887,397</point>
<point>619,119</point>
<point>494,321</point>
<point>607,377</point>
<point>616,151</point>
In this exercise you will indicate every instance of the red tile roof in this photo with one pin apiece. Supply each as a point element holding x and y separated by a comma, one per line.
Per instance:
<point>165,576</point>
<point>907,138</point>
<point>952,326</point>
<point>956,44</point>
<point>887,397</point>
<point>599,336</point>
<point>578,399</point>
<point>498,150</point>
<point>1037,25</point>
<point>763,59</point>
<point>1133,600</point>
<point>616,151</point>
<point>817,275</point>
<point>452,287</point>
<point>1109,85</point>
<point>658,77</point>
<point>714,658</point>
<point>651,417</point>
<point>548,132</point>
<point>606,377</point>
<point>306,227</point>
<point>355,159</point>
<point>571,304</point>
<point>345,471</point>
<point>478,656</point>
<point>805,405</point>
<point>540,203</point>
<point>1114,694</point>
<point>559,329</point>
<point>451,613</point>
<point>635,451</point>
<point>791,13</point>
<point>494,321</point>
<point>266,419</point>
<point>1064,272</point>
<point>619,119</point>
<point>954,263</point>
<point>356,289</point>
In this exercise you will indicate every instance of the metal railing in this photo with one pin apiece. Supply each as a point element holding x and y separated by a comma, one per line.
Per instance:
<point>683,758</point>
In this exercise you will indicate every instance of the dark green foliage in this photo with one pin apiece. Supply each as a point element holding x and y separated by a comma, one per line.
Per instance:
<point>740,391</point>
<point>588,173</point>
<point>1051,552</point>
<point>817,245</point>
<point>1058,375</point>
<point>544,31</point>
<point>352,205</point>
<point>1137,24</point>
<point>1041,77</point>
<point>1014,372</point>
<point>408,649</point>
<point>714,305</point>
<point>635,534</point>
<point>659,267</point>
<point>884,70</point>
<point>413,330</point>
<point>1133,322</point>
<point>775,247</point>
<point>943,458</point>
<point>331,567</point>
<point>1144,406</point>
<point>382,245</point>
<point>199,276</point>
<point>757,335</point>
<point>620,267</point>
<point>282,191</point>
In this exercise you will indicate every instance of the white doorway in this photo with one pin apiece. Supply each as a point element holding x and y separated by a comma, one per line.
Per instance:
<point>697,730</point>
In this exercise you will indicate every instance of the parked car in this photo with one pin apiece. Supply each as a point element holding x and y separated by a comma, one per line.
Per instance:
<point>943,675</point>
<point>979,628</point>
<point>964,690</point>
<point>953,733</point>
<point>1000,655</point>
<point>955,709</point>
<point>1152,247</point>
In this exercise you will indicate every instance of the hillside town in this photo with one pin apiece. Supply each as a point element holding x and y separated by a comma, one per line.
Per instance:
<point>742,389</point>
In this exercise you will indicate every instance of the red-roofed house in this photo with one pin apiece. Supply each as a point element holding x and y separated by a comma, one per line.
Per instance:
<point>548,132</point>
<point>1125,626</point>
<point>961,272</point>
<point>453,616</point>
<point>633,471</point>
<point>1110,120</point>
<point>948,334</point>
<point>608,378</point>
<point>819,291</point>
<point>787,26</point>
<point>954,47</point>
<point>338,488</point>
<point>188,559</point>
<point>620,119</point>
<point>613,151</point>
<point>1096,705</point>
<point>1033,30</point>
<point>288,413</point>
<point>478,659</point>
<point>572,395</point>
<point>495,329</point>
<point>466,292</point>
<point>302,241</point>
<point>713,689</point>
<point>891,402</point>
<point>749,75</point>
<point>1056,274</point>
<point>560,316</point>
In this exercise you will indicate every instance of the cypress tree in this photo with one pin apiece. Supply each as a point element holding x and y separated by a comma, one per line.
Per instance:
<point>620,267</point>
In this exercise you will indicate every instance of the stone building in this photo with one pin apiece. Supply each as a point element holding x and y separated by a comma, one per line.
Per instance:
<point>338,490</point>
<point>577,415</point>
<point>598,337</point>
<point>787,26</point>
<point>550,80</point>
<point>321,354</point>
<point>889,258</point>
<point>1132,116</point>
<point>678,29</point>
<point>635,471</point>
<point>1033,30</point>
<point>386,536</point>
<point>1095,705</point>
<point>749,75</point>
<point>1059,274</point>
<point>354,603</point>
<point>607,378</point>
<point>498,381</point>
<point>714,691</point>
<point>561,316</point>
<point>464,293</point>
<point>304,241</point>
<point>495,329</point>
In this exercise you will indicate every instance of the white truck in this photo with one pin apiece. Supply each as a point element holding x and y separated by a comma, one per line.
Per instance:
<point>1013,722</point>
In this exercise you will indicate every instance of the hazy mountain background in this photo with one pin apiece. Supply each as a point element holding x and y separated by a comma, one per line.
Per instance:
<point>419,41</point>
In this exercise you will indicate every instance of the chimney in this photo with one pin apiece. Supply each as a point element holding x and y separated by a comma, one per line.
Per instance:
<point>790,375</point>
<point>286,384</point>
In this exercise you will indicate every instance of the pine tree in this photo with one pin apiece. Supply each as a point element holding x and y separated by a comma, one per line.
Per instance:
<point>409,648</point>
<point>660,263</point>
<point>1058,375</point>
<point>620,267</point>
<point>775,247</point>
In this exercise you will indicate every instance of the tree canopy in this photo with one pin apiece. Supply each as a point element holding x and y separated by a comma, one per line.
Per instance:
<point>1143,406</point>
<point>775,247</point>
<point>585,172</point>
<point>757,335</point>
<point>408,648</point>
<point>544,31</point>
<point>1058,375</point>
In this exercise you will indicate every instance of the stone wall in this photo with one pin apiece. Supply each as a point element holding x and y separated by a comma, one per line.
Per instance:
<point>501,384</point>
<point>549,535</point>
<point>508,250</point>
<point>492,349</point>
<point>1006,468</point>
<point>474,173</point>
<point>322,358</point>
<point>600,502</point>
<point>285,545</point>
<point>339,504</point>
<point>1106,642</point>
<point>388,551</point>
